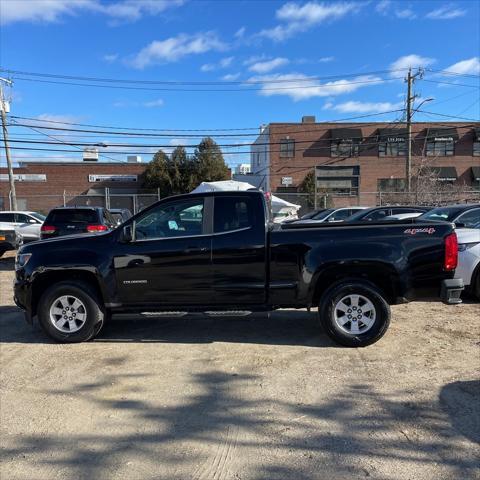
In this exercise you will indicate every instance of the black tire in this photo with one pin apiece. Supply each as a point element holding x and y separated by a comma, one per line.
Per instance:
<point>92,305</point>
<point>327,311</point>
<point>476,285</point>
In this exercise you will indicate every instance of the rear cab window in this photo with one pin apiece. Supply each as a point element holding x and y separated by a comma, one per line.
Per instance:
<point>232,213</point>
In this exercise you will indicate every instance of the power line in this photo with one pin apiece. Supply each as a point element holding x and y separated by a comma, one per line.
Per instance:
<point>449,72</point>
<point>450,83</point>
<point>340,83</point>
<point>316,148</point>
<point>191,82</point>
<point>451,116</point>
<point>127,134</point>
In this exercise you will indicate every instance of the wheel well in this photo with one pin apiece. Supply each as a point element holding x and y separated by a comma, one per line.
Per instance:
<point>47,279</point>
<point>381,279</point>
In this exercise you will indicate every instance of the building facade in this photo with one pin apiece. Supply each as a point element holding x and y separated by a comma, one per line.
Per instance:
<point>42,185</point>
<point>354,162</point>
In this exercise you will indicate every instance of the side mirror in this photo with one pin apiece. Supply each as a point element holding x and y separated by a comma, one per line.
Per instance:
<point>31,220</point>
<point>460,225</point>
<point>127,234</point>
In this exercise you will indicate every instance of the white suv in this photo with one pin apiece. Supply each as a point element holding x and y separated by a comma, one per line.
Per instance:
<point>27,224</point>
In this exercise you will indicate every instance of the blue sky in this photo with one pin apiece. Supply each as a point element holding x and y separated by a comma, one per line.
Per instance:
<point>236,41</point>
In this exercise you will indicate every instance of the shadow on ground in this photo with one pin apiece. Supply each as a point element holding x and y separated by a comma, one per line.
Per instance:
<point>287,327</point>
<point>208,434</point>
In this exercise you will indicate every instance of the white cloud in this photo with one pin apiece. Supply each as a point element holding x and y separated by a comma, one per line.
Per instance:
<point>326,59</point>
<point>446,12</point>
<point>231,77</point>
<point>269,65</point>
<point>223,63</point>
<point>48,11</point>
<point>131,10</point>
<point>175,48</point>
<point>409,61</point>
<point>405,13</point>
<point>254,59</point>
<point>111,57</point>
<point>301,87</point>
<point>240,32</point>
<point>41,10</point>
<point>54,118</point>
<point>383,6</point>
<point>158,102</point>
<point>363,107</point>
<point>470,66</point>
<point>299,18</point>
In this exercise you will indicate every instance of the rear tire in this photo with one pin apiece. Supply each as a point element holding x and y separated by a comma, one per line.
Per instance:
<point>354,314</point>
<point>70,312</point>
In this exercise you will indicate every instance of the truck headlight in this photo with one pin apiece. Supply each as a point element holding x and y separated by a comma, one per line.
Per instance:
<point>21,260</point>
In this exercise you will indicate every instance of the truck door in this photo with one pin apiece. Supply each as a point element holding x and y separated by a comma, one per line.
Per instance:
<point>239,250</point>
<point>168,262</point>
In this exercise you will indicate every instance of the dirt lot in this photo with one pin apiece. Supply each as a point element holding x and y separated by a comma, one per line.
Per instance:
<point>250,398</point>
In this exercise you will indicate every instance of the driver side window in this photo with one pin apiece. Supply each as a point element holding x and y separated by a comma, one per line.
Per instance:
<point>176,219</point>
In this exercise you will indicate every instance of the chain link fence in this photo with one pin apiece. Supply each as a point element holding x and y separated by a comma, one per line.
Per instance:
<point>371,199</point>
<point>44,203</point>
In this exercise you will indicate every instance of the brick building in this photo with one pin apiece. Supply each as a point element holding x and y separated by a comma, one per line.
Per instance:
<point>355,161</point>
<point>41,185</point>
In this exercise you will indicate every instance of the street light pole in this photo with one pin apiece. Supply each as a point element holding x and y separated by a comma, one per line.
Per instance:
<point>11,178</point>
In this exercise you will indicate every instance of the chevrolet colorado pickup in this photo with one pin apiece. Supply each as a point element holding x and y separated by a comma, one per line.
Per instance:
<point>217,252</point>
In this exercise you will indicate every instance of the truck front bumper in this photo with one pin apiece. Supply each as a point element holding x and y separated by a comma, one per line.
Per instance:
<point>451,290</point>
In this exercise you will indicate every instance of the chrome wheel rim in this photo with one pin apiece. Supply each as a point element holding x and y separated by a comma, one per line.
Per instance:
<point>355,314</point>
<point>68,314</point>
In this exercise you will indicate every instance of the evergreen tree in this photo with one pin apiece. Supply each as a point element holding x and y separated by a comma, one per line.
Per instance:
<point>157,174</point>
<point>186,179</point>
<point>209,163</point>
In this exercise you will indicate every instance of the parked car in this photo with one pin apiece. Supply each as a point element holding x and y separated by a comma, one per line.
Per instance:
<point>9,238</point>
<point>380,213</point>
<point>331,215</point>
<point>467,214</point>
<point>215,252</point>
<point>27,224</point>
<point>403,216</point>
<point>121,215</point>
<point>469,258</point>
<point>74,220</point>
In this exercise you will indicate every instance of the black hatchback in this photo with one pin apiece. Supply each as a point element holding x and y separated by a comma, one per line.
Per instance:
<point>74,220</point>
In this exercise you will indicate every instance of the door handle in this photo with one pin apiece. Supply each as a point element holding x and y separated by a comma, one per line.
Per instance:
<point>195,249</point>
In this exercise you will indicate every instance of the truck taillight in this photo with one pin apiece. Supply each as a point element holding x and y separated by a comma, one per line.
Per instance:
<point>96,228</point>
<point>48,229</point>
<point>451,252</point>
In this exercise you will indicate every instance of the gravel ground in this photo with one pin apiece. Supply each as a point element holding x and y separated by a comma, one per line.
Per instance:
<point>263,397</point>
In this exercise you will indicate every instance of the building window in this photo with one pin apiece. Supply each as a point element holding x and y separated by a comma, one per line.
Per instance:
<point>287,148</point>
<point>338,180</point>
<point>391,184</point>
<point>476,149</point>
<point>441,142</point>
<point>392,149</point>
<point>344,148</point>
<point>440,148</point>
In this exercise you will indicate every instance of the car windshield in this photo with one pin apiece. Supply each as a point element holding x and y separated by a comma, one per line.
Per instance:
<point>38,216</point>
<point>359,215</point>
<point>323,214</point>
<point>442,213</point>
<point>72,216</point>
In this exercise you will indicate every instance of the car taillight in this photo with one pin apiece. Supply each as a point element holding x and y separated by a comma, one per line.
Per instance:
<point>451,252</point>
<point>48,229</point>
<point>96,228</point>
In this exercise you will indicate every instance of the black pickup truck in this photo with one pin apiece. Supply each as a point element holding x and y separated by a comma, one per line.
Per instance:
<point>217,252</point>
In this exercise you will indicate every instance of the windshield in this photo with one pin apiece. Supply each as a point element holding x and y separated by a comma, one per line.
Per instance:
<point>446,214</point>
<point>323,214</point>
<point>38,216</point>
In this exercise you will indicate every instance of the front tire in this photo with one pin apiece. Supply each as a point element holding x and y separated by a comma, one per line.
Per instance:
<point>70,312</point>
<point>354,314</point>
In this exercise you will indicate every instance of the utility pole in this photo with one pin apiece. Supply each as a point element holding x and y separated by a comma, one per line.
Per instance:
<point>3,108</point>
<point>410,99</point>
